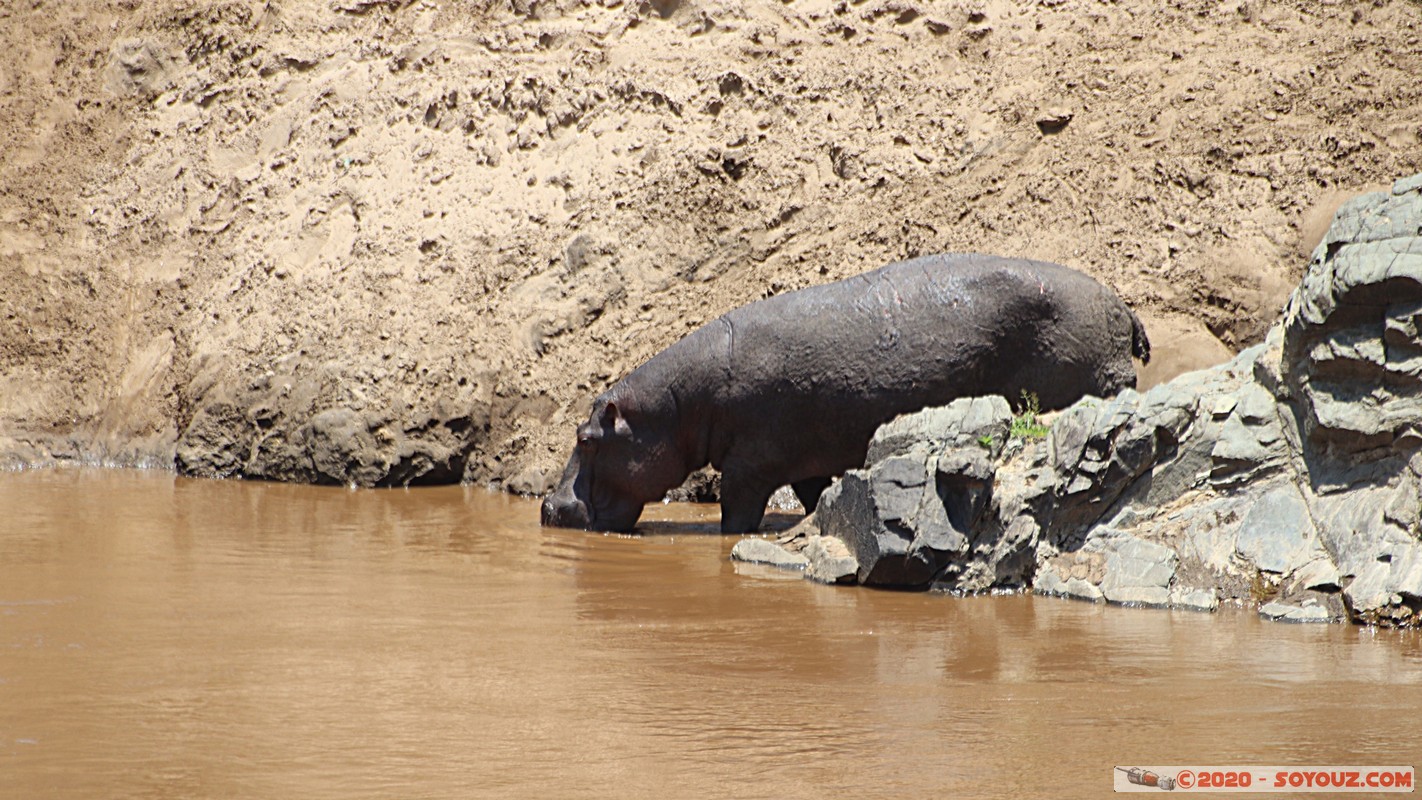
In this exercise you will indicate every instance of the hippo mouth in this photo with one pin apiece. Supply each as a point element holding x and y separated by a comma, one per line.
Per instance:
<point>568,506</point>
<point>565,509</point>
<point>580,501</point>
<point>573,513</point>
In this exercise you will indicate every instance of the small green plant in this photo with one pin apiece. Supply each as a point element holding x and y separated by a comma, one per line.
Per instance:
<point>1027,425</point>
<point>987,441</point>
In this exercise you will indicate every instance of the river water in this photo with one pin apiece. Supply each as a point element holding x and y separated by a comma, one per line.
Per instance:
<point>170,638</point>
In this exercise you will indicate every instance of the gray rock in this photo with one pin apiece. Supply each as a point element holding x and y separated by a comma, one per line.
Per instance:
<point>1283,612</point>
<point>1278,534</point>
<point>1319,574</point>
<point>963,489</point>
<point>1389,591</point>
<point>1139,572</point>
<point>1268,365</point>
<point>1352,528</point>
<point>1407,571</point>
<point>1251,442</point>
<point>1403,186</point>
<point>798,535</point>
<point>830,561</point>
<point>1360,398</point>
<point>1141,550</point>
<point>869,514</point>
<point>896,486</point>
<point>763,551</point>
<point>1404,509</point>
<point>1211,531</point>
<point>1048,582</point>
<point>1372,589</point>
<point>963,422</point>
<point>1194,599</point>
<point>907,515</point>
<point>1081,589</point>
<point>934,532</point>
<point>1069,434</point>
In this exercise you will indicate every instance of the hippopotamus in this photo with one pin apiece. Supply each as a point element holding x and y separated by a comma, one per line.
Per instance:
<point>789,390</point>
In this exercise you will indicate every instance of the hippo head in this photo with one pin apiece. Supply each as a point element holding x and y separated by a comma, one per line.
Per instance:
<point>616,468</point>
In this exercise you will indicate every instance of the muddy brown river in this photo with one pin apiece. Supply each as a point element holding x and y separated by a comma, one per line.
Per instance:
<point>171,638</point>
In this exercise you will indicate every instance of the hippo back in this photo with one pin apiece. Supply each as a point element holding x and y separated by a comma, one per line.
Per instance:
<point>829,364</point>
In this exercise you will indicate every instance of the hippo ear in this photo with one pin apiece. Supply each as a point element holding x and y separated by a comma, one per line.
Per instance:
<point>612,417</point>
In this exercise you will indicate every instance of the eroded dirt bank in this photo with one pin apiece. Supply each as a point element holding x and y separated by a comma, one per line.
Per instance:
<point>382,242</point>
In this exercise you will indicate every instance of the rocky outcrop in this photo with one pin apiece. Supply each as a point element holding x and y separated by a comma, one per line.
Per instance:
<point>1287,478</point>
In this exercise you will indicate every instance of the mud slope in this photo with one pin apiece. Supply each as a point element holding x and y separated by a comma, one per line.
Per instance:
<point>384,242</point>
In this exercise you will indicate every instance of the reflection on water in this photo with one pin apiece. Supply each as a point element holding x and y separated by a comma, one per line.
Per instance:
<point>162,637</point>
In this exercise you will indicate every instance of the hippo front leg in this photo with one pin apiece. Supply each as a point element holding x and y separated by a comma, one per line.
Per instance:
<point>743,499</point>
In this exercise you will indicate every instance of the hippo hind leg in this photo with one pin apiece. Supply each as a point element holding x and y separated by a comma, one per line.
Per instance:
<point>743,500</point>
<point>808,492</point>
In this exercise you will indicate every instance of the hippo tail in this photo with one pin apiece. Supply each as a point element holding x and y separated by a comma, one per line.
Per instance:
<point>1140,344</point>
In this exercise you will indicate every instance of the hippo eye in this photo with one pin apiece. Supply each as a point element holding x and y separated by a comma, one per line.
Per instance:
<point>584,439</point>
